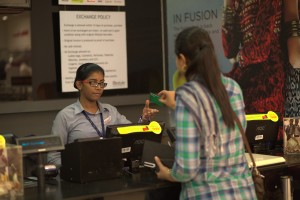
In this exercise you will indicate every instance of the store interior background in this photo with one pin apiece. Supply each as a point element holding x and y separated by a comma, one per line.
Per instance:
<point>30,101</point>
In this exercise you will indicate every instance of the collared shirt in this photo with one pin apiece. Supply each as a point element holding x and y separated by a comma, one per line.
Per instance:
<point>71,124</point>
<point>224,173</point>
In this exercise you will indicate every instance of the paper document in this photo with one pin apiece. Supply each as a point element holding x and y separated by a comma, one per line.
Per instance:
<point>264,160</point>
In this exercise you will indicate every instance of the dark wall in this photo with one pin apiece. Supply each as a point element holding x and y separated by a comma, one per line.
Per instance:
<point>43,52</point>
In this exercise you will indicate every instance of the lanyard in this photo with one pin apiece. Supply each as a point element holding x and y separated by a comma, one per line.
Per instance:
<point>94,126</point>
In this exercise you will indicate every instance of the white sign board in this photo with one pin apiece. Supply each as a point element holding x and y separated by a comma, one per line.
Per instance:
<point>93,37</point>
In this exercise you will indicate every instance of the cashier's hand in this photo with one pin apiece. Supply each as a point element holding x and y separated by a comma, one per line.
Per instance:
<point>163,173</point>
<point>168,98</point>
<point>148,113</point>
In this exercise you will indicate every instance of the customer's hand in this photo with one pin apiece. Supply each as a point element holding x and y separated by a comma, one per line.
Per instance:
<point>163,173</point>
<point>167,98</point>
<point>148,113</point>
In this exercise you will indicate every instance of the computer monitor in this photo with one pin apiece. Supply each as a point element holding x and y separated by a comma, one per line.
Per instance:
<point>134,135</point>
<point>262,135</point>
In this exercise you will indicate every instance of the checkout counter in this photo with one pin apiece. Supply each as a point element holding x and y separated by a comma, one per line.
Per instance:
<point>145,185</point>
<point>141,185</point>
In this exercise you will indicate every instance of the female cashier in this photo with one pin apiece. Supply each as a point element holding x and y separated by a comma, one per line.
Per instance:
<point>88,117</point>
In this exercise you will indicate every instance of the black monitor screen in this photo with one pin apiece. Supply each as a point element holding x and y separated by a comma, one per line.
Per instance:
<point>134,135</point>
<point>262,135</point>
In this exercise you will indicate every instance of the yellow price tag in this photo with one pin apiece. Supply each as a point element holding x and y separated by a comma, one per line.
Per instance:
<point>268,116</point>
<point>152,127</point>
<point>2,142</point>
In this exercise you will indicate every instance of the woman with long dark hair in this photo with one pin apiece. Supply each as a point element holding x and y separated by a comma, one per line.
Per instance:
<point>210,159</point>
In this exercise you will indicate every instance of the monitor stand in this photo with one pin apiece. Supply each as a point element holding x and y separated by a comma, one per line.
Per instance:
<point>41,172</point>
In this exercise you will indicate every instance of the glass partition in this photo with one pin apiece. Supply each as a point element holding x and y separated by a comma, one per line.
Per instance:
<point>15,55</point>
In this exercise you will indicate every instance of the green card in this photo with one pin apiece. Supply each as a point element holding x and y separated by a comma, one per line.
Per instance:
<point>155,99</point>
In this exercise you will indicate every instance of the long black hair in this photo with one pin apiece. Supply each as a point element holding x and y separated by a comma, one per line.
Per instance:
<point>202,65</point>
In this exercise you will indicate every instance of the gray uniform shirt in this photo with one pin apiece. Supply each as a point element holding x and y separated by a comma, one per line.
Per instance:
<point>71,124</point>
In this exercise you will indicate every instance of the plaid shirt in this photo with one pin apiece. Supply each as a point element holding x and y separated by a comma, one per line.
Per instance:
<point>222,171</point>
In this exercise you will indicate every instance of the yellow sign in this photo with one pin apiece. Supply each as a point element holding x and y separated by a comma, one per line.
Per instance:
<point>2,142</point>
<point>152,127</point>
<point>268,116</point>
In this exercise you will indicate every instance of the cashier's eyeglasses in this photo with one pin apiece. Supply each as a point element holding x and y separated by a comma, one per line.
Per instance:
<point>95,84</point>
